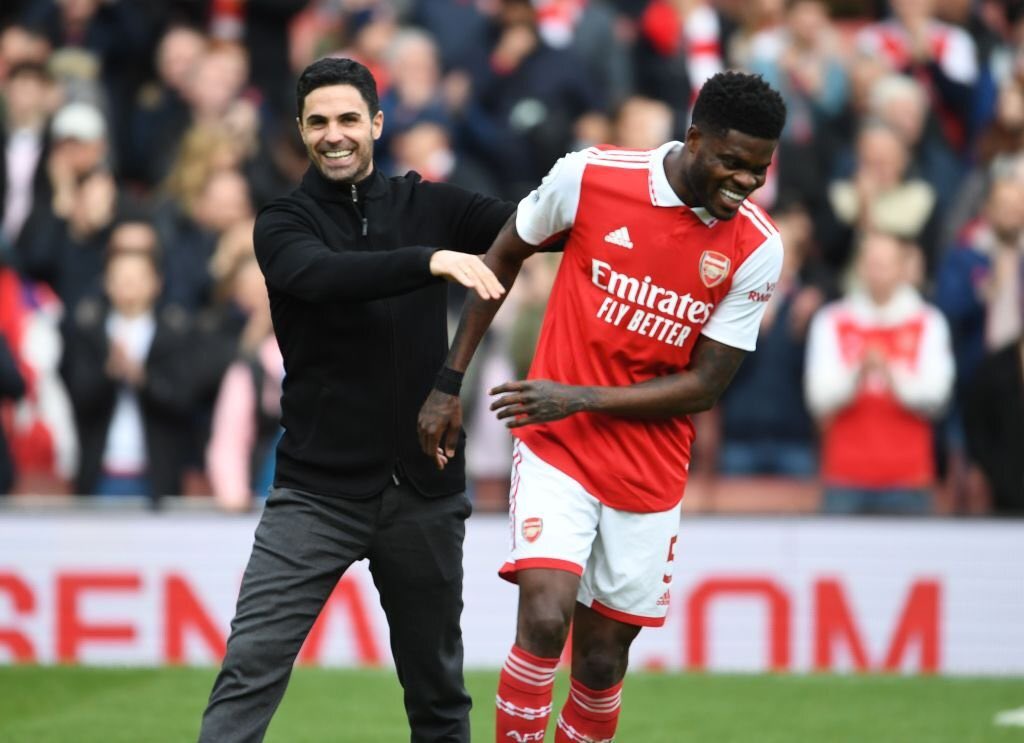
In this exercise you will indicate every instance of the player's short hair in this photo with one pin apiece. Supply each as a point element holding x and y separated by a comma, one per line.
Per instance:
<point>739,101</point>
<point>337,71</point>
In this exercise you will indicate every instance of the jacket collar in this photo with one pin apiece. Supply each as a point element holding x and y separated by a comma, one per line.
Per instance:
<point>313,183</point>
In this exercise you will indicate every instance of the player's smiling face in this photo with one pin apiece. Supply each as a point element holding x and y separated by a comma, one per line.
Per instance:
<point>725,169</point>
<point>338,131</point>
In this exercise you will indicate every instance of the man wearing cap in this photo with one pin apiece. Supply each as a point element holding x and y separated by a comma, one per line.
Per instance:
<point>62,242</point>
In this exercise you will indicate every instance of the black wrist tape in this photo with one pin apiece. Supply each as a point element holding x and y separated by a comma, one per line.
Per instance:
<point>449,381</point>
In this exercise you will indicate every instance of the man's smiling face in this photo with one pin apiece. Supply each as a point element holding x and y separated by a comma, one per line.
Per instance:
<point>338,131</point>
<point>725,169</point>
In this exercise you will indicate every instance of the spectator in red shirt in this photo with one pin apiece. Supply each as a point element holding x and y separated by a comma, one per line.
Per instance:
<point>942,56</point>
<point>879,370</point>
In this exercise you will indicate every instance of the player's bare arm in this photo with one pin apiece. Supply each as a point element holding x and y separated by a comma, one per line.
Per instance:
<point>695,389</point>
<point>440,417</point>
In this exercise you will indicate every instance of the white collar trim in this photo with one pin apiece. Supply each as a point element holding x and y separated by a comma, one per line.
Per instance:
<point>662,193</point>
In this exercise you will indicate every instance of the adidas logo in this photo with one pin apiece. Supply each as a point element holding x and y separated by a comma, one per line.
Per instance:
<point>619,237</point>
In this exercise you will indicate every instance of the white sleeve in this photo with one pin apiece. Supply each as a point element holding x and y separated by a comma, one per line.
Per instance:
<point>959,58</point>
<point>737,318</point>
<point>829,383</point>
<point>551,207</point>
<point>926,387</point>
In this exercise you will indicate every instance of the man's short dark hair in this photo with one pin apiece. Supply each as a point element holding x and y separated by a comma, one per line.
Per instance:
<point>30,69</point>
<point>745,103</point>
<point>337,71</point>
<point>153,251</point>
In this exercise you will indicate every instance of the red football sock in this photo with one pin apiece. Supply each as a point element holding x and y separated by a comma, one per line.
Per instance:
<point>524,696</point>
<point>589,716</point>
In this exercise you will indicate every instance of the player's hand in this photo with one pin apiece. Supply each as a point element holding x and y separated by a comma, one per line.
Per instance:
<point>467,270</point>
<point>438,425</point>
<point>537,401</point>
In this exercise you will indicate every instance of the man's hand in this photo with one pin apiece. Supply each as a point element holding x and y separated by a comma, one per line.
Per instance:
<point>467,270</point>
<point>62,179</point>
<point>95,206</point>
<point>916,22</point>
<point>875,368</point>
<point>123,368</point>
<point>438,424</point>
<point>537,401</point>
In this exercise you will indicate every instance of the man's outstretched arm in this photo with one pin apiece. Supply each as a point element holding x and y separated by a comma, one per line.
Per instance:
<point>692,390</point>
<point>440,417</point>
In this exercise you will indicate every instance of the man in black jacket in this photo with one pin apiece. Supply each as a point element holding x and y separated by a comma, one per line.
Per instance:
<point>355,275</point>
<point>129,374</point>
<point>994,419</point>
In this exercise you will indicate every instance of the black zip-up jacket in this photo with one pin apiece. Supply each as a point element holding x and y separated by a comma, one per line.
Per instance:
<point>362,324</point>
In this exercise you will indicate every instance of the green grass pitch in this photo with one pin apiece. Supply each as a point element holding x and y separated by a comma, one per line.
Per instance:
<point>88,705</point>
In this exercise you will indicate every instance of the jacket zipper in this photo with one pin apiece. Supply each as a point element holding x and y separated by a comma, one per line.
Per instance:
<point>391,317</point>
<point>355,203</point>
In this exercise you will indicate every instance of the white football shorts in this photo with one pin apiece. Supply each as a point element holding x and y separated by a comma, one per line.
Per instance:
<point>624,558</point>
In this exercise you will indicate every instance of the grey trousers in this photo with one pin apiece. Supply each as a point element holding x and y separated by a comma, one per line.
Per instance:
<point>303,545</point>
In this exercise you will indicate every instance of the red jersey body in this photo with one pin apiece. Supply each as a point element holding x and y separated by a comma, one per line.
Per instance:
<point>854,437</point>
<point>641,277</point>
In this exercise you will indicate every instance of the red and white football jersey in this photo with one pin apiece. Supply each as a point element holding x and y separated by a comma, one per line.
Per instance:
<point>952,47</point>
<point>642,275</point>
<point>877,426</point>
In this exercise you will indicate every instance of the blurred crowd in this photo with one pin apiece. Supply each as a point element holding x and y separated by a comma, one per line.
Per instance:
<point>139,139</point>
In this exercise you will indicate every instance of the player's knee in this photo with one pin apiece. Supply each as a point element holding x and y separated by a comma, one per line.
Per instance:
<point>544,631</point>
<point>599,667</point>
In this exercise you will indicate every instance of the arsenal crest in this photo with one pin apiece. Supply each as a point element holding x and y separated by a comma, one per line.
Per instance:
<point>714,268</point>
<point>532,528</point>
